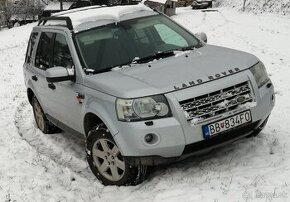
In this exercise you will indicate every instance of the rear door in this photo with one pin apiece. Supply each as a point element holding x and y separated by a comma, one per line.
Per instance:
<point>37,69</point>
<point>28,69</point>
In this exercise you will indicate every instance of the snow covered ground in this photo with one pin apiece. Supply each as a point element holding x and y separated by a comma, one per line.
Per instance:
<point>38,167</point>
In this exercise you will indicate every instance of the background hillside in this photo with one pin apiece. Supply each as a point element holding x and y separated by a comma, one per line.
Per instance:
<point>258,6</point>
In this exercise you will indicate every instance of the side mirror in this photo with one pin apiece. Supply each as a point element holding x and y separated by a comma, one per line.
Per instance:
<point>58,74</point>
<point>202,36</point>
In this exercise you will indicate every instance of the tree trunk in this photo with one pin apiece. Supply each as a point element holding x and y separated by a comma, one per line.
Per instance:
<point>281,5</point>
<point>61,5</point>
<point>244,5</point>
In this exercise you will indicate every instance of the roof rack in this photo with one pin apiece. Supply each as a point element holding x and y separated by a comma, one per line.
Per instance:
<point>69,25</point>
<point>96,6</point>
<point>77,10</point>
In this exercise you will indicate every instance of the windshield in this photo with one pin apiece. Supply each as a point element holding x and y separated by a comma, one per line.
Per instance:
<point>114,45</point>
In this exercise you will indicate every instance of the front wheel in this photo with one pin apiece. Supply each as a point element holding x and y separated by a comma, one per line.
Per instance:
<point>107,162</point>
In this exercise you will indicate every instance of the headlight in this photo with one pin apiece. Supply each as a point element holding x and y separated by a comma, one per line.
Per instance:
<point>142,108</point>
<point>260,74</point>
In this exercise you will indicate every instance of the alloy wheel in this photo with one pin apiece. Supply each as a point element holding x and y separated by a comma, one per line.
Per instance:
<point>39,118</point>
<point>108,159</point>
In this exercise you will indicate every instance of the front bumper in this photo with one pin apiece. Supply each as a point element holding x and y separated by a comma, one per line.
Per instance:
<point>176,139</point>
<point>199,147</point>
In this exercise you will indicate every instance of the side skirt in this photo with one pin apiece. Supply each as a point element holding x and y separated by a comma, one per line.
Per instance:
<point>64,127</point>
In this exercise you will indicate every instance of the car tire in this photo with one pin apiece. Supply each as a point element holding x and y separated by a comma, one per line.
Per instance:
<point>107,163</point>
<point>41,121</point>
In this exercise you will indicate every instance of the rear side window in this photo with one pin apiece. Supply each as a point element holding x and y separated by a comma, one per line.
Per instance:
<point>42,59</point>
<point>30,47</point>
<point>61,53</point>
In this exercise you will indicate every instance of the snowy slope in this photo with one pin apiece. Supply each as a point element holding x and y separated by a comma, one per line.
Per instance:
<point>38,167</point>
<point>258,6</point>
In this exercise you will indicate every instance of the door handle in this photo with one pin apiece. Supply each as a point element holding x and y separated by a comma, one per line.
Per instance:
<point>51,86</point>
<point>34,78</point>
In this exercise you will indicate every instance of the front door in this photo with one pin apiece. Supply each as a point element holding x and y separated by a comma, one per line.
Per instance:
<point>64,104</point>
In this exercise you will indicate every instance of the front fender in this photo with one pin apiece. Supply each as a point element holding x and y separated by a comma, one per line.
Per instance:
<point>105,110</point>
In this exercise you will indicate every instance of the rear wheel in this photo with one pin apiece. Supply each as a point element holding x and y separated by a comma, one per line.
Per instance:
<point>41,121</point>
<point>107,162</point>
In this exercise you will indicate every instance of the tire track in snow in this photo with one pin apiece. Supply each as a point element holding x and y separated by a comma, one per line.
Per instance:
<point>226,21</point>
<point>62,148</point>
<point>68,152</point>
<point>188,21</point>
<point>209,14</point>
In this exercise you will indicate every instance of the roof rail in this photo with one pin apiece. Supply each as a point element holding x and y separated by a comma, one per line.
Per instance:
<point>69,25</point>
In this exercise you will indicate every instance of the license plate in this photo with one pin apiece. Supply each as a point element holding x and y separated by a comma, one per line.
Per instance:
<point>226,124</point>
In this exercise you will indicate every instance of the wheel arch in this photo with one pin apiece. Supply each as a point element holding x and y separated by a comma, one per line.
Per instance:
<point>30,95</point>
<point>92,119</point>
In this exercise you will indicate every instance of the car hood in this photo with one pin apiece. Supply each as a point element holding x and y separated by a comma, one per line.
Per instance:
<point>185,69</point>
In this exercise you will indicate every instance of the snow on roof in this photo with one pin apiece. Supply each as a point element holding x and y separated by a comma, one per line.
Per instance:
<point>75,10</point>
<point>101,13</point>
<point>55,6</point>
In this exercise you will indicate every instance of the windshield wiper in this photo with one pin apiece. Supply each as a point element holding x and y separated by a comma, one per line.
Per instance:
<point>187,48</point>
<point>163,54</point>
<point>96,71</point>
<point>137,60</point>
<point>158,55</point>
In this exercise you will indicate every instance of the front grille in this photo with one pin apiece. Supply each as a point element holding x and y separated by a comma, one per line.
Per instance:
<point>212,104</point>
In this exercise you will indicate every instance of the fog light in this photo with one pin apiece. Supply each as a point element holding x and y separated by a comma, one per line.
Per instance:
<point>149,138</point>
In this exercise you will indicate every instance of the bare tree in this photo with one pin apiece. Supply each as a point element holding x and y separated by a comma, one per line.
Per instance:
<point>28,8</point>
<point>21,12</point>
<point>265,4</point>
<point>8,9</point>
<point>244,5</point>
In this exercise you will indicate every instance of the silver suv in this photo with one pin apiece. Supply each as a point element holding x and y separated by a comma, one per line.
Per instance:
<point>141,89</point>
